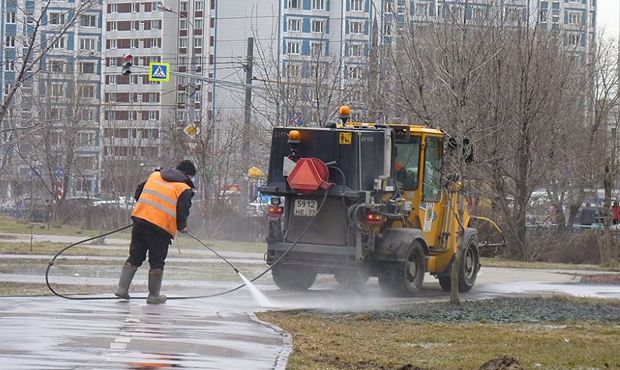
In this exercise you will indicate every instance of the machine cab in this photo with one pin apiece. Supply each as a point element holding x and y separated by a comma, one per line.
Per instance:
<point>418,160</point>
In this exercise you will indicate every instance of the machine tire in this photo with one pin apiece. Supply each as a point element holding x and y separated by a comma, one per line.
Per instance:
<point>404,279</point>
<point>468,271</point>
<point>352,279</point>
<point>289,277</point>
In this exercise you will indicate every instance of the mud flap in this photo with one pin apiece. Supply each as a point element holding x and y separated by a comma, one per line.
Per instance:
<point>395,243</point>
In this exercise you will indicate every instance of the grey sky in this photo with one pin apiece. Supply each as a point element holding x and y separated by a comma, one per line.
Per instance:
<point>608,18</point>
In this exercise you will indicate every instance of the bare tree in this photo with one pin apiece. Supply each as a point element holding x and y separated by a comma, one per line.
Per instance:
<point>38,46</point>
<point>605,97</point>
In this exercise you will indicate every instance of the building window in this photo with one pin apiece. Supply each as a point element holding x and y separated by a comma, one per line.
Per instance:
<point>112,26</point>
<point>88,44</point>
<point>478,14</point>
<point>198,24</point>
<point>197,42</point>
<point>87,91</point>
<point>457,12</point>
<point>7,88</point>
<point>317,70</point>
<point>355,72</point>
<point>355,50</point>
<point>357,5</point>
<point>87,67</point>
<point>389,6</point>
<point>10,17</point>
<point>183,24</point>
<point>183,42</point>
<point>294,25</point>
<point>293,70</point>
<point>89,114</point>
<point>294,4</point>
<point>155,42</point>
<point>574,18</point>
<point>56,66</point>
<point>156,24</point>
<point>56,18</point>
<point>88,20</point>
<point>112,80</point>
<point>198,5</point>
<point>153,115</point>
<point>512,14</point>
<point>356,27</point>
<point>57,90</point>
<point>421,10</point>
<point>387,29</point>
<point>318,26</point>
<point>293,47</point>
<point>318,4</point>
<point>573,39</point>
<point>9,41</point>
<point>183,6</point>
<point>317,48</point>
<point>135,7</point>
<point>59,43</point>
<point>9,65</point>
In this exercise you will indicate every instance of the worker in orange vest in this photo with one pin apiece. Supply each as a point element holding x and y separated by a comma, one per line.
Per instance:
<point>162,208</point>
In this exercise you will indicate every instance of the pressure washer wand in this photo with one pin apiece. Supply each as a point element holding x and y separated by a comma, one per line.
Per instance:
<point>214,252</point>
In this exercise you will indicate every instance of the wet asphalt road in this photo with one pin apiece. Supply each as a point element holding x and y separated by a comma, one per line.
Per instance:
<point>213,333</point>
<point>52,333</point>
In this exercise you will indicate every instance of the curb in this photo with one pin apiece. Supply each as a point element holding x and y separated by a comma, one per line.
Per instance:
<point>287,342</point>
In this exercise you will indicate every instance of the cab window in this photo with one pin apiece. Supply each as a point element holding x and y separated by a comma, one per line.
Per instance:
<point>432,169</point>
<point>407,163</point>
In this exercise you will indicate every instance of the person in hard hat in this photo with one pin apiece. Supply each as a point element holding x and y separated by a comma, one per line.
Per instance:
<point>162,209</point>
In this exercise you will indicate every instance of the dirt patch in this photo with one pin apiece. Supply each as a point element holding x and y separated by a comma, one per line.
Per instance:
<point>502,363</point>
<point>601,279</point>
<point>11,237</point>
<point>410,367</point>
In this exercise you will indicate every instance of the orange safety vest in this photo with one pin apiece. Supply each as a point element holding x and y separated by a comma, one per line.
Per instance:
<point>158,202</point>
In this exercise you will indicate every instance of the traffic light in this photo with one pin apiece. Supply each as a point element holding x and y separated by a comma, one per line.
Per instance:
<point>127,59</point>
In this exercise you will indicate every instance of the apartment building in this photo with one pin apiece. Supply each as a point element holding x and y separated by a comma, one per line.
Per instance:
<point>140,116</point>
<point>302,38</point>
<point>62,97</point>
<point>134,109</point>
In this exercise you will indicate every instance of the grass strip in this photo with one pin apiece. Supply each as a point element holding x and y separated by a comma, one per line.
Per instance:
<point>497,262</point>
<point>361,342</point>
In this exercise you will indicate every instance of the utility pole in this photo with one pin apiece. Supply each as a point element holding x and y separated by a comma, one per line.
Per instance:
<point>245,144</point>
<point>373,74</point>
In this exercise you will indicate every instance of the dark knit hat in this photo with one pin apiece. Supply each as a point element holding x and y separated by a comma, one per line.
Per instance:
<point>187,167</point>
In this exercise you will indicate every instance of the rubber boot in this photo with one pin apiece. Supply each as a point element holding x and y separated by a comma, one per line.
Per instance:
<point>155,278</point>
<point>127,274</point>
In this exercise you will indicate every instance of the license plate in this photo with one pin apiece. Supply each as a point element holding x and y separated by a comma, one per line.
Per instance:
<point>305,207</point>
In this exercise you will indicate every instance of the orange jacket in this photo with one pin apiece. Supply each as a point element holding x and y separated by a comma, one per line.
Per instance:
<point>158,202</point>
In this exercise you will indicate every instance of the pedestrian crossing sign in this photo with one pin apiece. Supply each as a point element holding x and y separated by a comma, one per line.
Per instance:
<point>159,72</point>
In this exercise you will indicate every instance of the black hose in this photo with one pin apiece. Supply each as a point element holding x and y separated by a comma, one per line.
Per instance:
<point>304,231</point>
<point>214,252</point>
<point>51,263</point>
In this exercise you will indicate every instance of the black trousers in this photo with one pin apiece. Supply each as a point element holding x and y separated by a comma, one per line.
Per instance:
<point>145,237</point>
